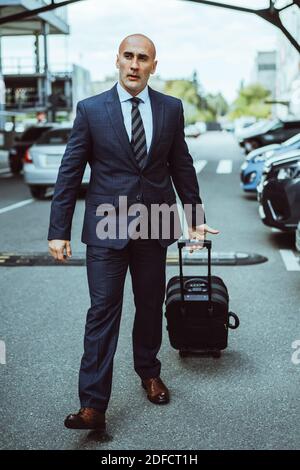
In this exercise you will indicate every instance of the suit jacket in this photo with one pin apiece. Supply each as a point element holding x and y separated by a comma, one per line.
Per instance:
<point>99,138</point>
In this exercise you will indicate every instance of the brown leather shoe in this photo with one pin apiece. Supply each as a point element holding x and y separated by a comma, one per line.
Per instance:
<point>86,418</point>
<point>156,390</point>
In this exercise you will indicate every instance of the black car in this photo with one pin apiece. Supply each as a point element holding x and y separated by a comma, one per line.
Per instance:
<point>274,132</point>
<point>279,192</point>
<point>22,143</point>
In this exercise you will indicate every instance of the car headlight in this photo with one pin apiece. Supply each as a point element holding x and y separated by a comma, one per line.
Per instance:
<point>288,172</point>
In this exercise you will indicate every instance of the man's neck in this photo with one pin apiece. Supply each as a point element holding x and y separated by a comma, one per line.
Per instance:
<point>129,91</point>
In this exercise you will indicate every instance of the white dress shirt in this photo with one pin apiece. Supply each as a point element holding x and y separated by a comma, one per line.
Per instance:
<point>144,108</point>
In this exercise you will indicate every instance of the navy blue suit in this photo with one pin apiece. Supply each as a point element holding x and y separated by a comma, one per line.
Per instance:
<point>99,138</point>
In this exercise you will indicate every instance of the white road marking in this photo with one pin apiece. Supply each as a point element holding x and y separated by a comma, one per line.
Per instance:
<point>2,353</point>
<point>16,206</point>
<point>199,165</point>
<point>290,260</point>
<point>224,167</point>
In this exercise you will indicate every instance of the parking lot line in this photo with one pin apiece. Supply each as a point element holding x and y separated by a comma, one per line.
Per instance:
<point>16,205</point>
<point>290,260</point>
<point>199,165</point>
<point>224,167</point>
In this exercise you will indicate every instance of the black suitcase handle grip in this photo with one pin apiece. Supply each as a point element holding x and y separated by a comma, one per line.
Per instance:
<point>206,244</point>
<point>236,321</point>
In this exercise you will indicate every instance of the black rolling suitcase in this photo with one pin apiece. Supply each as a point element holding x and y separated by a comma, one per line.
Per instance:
<point>197,311</point>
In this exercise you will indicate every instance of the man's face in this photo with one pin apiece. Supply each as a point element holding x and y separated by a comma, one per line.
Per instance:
<point>135,61</point>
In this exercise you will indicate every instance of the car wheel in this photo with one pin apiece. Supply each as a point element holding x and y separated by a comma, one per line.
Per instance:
<point>38,192</point>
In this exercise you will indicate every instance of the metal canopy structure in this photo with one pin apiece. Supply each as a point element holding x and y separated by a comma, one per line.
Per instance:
<point>270,13</point>
<point>26,17</point>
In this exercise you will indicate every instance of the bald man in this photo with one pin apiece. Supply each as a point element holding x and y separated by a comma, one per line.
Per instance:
<point>133,139</point>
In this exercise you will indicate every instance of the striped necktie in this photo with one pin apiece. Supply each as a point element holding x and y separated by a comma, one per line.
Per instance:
<point>138,136</point>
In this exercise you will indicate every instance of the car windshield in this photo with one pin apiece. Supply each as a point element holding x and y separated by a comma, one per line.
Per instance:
<point>55,137</point>
<point>292,140</point>
<point>33,133</point>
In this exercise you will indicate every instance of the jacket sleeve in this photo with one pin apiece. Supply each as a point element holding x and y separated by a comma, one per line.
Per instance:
<point>184,175</point>
<point>69,178</point>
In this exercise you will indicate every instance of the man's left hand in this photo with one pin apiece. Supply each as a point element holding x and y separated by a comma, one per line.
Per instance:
<point>198,233</point>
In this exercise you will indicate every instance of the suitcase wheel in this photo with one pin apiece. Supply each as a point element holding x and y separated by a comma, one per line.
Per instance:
<point>216,354</point>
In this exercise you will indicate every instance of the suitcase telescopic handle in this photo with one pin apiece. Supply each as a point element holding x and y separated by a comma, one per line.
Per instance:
<point>203,243</point>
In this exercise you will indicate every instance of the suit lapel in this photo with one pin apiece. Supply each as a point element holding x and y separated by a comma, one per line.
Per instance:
<point>157,107</point>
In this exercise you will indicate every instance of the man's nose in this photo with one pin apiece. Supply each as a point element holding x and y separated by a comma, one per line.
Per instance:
<point>134,64</point>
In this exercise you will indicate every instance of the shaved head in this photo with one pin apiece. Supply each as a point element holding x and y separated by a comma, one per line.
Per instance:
<point>136,62</point>
<point>137,38</point>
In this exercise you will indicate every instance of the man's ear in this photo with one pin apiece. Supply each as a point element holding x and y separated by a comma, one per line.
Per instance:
<point>117,62</point>
<point>154,67</point>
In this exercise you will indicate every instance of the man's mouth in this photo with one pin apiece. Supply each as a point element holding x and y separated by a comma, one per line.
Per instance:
<point>133,77</point>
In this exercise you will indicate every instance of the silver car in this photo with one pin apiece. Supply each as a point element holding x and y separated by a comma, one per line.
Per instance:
<point>42,161</point>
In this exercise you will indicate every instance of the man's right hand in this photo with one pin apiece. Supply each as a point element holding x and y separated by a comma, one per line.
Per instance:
<point>60,249</point>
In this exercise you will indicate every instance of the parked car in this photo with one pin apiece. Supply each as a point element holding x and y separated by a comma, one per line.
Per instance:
<point>249,128</point>
<point>275,132</point>
<point>201,126</point>
<point>191,131</point>
<point>42,161</point>
<point>251,169</point>
<point>228,126</point>
<point>278,192</point>
<point>17,152</point>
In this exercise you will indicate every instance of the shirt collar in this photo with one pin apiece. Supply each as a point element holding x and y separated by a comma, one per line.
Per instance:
<point>125,96</point>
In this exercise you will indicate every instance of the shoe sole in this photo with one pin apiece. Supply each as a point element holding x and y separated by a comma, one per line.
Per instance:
<point>101,428</point>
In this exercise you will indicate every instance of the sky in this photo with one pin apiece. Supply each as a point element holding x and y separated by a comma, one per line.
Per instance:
<point>219,44</point>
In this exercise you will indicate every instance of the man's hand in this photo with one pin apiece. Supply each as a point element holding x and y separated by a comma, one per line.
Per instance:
<point>60,249</point>
<point>198,233</point>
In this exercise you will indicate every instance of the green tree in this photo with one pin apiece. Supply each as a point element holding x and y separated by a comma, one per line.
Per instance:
<point>217,104</point>
<point>185,90</point>
<point>197,107</point>
<point>251,102</point>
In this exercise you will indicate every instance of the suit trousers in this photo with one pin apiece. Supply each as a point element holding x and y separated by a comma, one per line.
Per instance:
<point>106,271</point>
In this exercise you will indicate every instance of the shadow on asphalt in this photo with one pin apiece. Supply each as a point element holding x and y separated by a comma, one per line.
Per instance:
<point>92,437</point>
<point>229,362</point>
<point>250,196</point>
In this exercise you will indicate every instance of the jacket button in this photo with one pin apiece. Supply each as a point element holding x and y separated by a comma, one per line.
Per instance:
<point>138,197</point>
